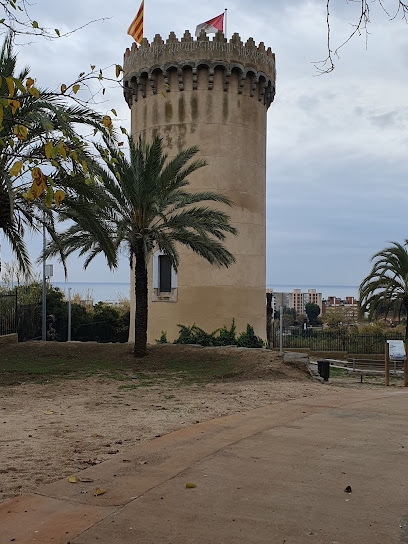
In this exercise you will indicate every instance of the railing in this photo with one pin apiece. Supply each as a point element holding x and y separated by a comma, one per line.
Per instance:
<point>335,341</point>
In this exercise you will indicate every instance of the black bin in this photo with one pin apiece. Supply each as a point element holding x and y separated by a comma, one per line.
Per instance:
<point>323,368</point>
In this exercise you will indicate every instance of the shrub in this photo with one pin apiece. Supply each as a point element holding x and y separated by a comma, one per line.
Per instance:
<point>163,338</point>
<point>227,337</point>
<point>249,339</point>
<point>195,335</point>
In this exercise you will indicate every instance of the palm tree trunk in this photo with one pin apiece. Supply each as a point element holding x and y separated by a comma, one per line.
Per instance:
<point>140,348</point>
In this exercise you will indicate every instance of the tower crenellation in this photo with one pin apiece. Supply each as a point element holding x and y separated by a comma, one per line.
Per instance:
<point>149,62</point>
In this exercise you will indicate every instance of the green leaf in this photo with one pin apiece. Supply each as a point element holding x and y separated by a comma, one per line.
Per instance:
<point>57,32</point>
<point>35,24</point>
<point>114,112</point>
<point>124,131</point>
<point>19,85</point>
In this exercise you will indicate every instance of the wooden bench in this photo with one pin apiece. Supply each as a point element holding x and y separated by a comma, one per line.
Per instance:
<point>373,367</point>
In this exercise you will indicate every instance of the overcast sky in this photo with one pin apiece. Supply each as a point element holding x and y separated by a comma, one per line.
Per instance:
<point>337,143</point>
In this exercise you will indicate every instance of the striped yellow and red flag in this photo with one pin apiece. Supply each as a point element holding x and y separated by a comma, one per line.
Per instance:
<point>136,28</point>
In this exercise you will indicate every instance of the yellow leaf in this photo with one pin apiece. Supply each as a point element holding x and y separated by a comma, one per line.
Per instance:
<point>114,112</point>
<point>63,88</point>
<point>107,121</point>
<point>16,168</point>
<point>190,486</point>
<point>119,69</point>
<point>36,173</point>
<point>35,24</point>
<point>92,67</point>
<point>61,149</point>
<point>48,412</point>
<point>57,32</point>
<point>74,156</point>
<point>123,130</point>
<point>120,144</point>
<point>10,85</point>
<point>37,191</point>
<point>73,480</point>
<point>35,92</point>
<point>15,104</point>
<point>99,491</point>
<point>28,196</point>
<point>59,197</point>
<point>29,82</point>
<point>48,149</point>
<point>75,88</point>
<point>81,74</point>
<point>21,132</point>
<point>84,167</point>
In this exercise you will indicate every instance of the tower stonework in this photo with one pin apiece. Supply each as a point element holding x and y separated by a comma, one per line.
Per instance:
<point>213,94</point>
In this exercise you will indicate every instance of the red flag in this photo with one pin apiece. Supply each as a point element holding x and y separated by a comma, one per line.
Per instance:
<point>136,28</point>
<point>211,26</point>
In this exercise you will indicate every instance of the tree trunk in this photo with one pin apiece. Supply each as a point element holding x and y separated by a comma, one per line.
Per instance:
<point>140,348</point>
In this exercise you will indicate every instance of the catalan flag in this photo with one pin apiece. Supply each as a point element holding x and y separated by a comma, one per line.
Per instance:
<point>136,28</point>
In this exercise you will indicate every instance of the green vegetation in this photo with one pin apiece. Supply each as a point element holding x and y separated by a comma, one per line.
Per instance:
<point>55,362</point>
<point>386,286</point>
<point>219,337</point>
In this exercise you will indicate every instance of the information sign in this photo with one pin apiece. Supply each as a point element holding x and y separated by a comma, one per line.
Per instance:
<point>396,350</point>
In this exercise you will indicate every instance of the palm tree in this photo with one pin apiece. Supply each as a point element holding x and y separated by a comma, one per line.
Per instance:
<point>385,289</point>
<point>146,206</point>
<point>44,118</point>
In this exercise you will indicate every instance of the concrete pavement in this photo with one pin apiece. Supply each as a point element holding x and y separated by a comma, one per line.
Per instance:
<point>272,475</point>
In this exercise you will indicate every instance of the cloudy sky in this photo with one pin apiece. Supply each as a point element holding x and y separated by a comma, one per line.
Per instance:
<point>337,143</point>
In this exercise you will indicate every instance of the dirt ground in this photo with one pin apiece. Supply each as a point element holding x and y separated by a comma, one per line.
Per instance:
<point>49,431</point>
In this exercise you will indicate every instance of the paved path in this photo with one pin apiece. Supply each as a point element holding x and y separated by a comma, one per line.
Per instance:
<point>274,475</point>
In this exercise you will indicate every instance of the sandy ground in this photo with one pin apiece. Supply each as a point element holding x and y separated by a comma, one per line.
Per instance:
<point>50,431</point>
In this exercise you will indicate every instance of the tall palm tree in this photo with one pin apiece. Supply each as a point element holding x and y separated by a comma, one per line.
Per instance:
<point>45,118</point>
<point>146,206</point>
<point>386,287</point>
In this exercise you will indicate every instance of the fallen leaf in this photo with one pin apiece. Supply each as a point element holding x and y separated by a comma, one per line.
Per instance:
<point>73,480</point>
<point>113,452</point>
<point>86,480</point>
<point>99,491</point>
<point>96,435</point>
<point>48,413</point>
<point>348,489</point>
<point>126,460</point>
<point>190,486</point>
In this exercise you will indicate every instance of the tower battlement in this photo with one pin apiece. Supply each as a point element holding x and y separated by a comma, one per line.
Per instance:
<point>144,65</point>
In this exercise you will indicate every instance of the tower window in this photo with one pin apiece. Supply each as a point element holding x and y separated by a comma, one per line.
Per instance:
<point>164,274</point>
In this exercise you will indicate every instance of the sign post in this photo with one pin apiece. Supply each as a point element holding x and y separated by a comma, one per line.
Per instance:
<point>395,351</point>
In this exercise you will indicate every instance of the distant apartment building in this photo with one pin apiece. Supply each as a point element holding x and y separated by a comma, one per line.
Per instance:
<point>349,307</point>
<point>296,299</point>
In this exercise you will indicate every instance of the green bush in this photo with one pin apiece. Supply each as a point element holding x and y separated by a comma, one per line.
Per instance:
<point>249,339</point>
<point>219,337</point>
<point>163,338</point>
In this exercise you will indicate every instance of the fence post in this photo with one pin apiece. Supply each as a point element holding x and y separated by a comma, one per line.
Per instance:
<point>281,329</point>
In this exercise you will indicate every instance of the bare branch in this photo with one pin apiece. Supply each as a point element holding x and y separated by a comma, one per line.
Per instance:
<point>360,27</point>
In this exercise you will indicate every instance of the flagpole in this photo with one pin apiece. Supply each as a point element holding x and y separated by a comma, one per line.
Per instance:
<point>225,22</point>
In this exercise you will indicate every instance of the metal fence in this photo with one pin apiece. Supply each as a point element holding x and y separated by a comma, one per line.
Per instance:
<point>335,341</point>
<point>8,313</point>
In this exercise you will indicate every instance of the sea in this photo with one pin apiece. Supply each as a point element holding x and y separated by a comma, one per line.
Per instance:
<point>113,292</point>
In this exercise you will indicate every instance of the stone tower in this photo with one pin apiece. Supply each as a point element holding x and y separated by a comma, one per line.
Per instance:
<point>214,94</point>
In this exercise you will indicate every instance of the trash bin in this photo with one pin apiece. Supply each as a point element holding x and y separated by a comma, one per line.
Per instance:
<point>323,368</point>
